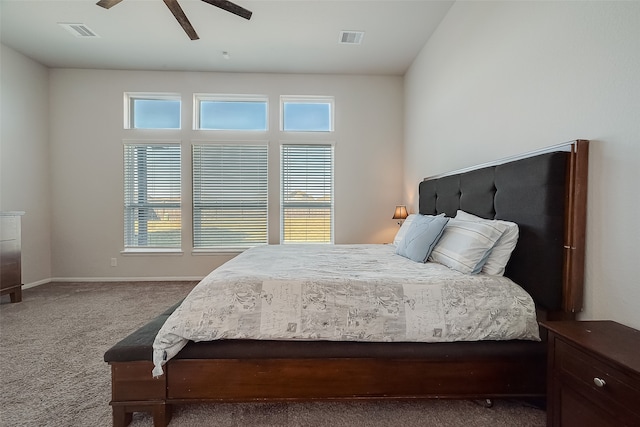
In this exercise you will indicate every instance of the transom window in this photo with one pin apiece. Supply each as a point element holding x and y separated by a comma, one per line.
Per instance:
<point>231,112</point>
<point>152,111</point>
<point>306,114</point>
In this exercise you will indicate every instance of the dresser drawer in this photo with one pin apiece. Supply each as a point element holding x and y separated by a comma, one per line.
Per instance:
<point>580,412</point>
<point>619,389</point>
<point>9,228</point>
<point>10,255</point>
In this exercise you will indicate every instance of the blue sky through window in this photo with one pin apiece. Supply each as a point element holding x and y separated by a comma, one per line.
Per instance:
<point>307,117</point>
<point>233,115</point>
<point>156,114</point>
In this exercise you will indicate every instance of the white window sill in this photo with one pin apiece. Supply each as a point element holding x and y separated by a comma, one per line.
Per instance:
<point>220,251</point>
<point>152,251</point>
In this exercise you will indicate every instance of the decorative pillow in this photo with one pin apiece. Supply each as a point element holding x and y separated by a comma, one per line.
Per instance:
<point>465,244</point>
<point>403,229</point>
<point>422,235</point>
<point>501,252</point>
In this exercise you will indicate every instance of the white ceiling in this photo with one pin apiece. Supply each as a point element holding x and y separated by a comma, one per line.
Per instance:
<point>290,36</point>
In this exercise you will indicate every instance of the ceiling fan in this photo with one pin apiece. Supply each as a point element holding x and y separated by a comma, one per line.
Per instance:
<point>182,19</point>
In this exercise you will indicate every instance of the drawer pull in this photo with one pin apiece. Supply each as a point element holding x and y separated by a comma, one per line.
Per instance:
<point>599,382</point>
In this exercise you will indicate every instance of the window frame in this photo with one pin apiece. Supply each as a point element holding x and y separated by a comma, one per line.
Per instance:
<point>308,99</point>
<point>130,97</point>
<point>217,97</point>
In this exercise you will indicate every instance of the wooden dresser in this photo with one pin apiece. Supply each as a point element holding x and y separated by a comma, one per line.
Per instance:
<point>593,374</point>
<point>11,255</point>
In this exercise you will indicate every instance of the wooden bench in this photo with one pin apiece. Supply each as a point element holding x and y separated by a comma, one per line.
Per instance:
<point>133,387</point>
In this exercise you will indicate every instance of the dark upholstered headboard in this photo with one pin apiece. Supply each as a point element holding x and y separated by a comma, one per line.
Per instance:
<point>533,192</point>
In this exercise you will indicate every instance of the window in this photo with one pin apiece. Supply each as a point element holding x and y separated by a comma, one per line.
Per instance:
<point>307,194</point>
<point>152,111</point>
<point>152,195</point>
<point>306,114</point>
<point>231,112</point>
<point>229,195</point>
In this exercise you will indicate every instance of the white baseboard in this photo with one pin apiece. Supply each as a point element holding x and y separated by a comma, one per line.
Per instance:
<point>110,279</point>
<point>34,284</point>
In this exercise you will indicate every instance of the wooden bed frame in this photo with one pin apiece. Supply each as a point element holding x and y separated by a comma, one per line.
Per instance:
<point>271,371</point>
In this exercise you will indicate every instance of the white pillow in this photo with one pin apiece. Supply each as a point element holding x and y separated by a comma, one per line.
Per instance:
<point>501,252</point>
<point>403,229</point>
<point>464,245</point>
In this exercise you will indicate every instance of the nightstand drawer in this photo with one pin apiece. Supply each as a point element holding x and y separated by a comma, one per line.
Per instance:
<point>618,388</point>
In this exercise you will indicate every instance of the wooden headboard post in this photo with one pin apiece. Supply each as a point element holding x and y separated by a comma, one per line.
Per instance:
<point>575,228</point>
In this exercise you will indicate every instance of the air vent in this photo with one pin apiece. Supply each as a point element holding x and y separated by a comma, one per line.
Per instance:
<point>78,30</point>
<point>351,37</point>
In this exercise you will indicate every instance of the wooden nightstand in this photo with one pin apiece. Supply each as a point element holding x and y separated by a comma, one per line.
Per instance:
<point>593,374</point>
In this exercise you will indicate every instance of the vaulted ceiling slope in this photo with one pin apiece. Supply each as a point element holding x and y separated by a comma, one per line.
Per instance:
<point>291,36</point>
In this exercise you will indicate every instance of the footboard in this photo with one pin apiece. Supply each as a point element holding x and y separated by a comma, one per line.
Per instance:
<point>244,380</point>
<point>318,379</point>
<point>249,370</point>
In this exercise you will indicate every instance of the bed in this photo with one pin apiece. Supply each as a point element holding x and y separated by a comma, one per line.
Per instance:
<point>544,193</point>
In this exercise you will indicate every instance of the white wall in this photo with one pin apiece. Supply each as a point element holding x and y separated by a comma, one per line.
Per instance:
<point>503,78</point>
<point>24,157</point>
<point>86,161</point>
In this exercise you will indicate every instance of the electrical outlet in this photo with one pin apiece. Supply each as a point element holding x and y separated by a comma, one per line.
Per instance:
<point>114,262</point>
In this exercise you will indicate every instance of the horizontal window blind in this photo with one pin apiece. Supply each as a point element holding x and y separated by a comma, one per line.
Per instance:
<point>152,197</point>
<point>307,194</point>
<point>229,195</point>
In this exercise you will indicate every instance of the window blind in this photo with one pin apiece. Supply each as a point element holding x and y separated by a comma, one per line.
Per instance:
<point>229,195</point>
<point>152,196</point>
<point>307,194</point>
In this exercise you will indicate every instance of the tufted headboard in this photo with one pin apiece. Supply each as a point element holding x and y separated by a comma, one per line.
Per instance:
<point>545,194</point>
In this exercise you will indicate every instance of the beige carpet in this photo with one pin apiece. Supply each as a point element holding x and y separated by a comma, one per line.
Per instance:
<point>52,372</point>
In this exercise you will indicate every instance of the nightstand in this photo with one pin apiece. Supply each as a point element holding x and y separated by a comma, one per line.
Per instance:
<point>593,376</point>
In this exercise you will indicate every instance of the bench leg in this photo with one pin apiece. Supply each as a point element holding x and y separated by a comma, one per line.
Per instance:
<point>161,415</point>
<point>121,418</point>
<point>123,413</point>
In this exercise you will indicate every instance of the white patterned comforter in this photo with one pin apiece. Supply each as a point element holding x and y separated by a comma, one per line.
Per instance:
<point>344,293</point>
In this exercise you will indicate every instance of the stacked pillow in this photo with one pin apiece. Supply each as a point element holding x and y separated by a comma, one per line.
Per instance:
<point>420,237</point>
<point>466,243</point>
<point>499,255</point>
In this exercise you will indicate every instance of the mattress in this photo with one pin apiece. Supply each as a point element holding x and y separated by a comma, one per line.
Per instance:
<point>362,293</point>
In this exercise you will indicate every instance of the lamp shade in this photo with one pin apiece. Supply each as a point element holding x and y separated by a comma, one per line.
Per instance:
<point>401,212</point>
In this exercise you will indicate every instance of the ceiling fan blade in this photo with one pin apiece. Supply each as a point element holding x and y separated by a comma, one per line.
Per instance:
<point>231,7</point>
<point>108,3</point>
<point>177,11</point>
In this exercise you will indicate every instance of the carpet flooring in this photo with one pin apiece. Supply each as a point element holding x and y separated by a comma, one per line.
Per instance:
<point>52,372</point>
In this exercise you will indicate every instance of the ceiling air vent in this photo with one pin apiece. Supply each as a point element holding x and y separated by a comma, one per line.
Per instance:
<point>351,37</point>
<point>78,30</point>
